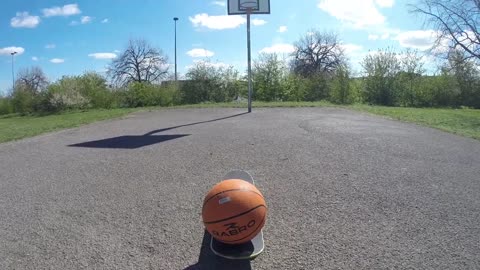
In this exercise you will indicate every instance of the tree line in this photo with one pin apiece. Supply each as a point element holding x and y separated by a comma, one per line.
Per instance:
<point>318,69</point>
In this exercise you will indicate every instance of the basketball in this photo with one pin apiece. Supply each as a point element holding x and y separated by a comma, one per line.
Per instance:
<point>234,211</point>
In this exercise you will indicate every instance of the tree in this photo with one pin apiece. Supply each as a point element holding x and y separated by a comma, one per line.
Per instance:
<point>467,79</point>
<point>204,83</point>
<point>295,88</point>
<point>457,23</point>
<point>268,74</point>
<point>409,78</point>
<point>232,84</point>
<point>32,80</point>
<point>140,62</point>
<point>29,86</point>
<point>340,86</point>
<point>317,53</point>
<point>381,71</point>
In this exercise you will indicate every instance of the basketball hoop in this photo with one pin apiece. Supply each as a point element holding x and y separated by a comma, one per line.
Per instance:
<point>248,5</point>
<point>242,7</point>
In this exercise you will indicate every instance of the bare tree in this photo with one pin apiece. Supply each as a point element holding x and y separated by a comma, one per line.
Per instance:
<point>317,52</point>
<point>139,63</point>
<point>457,23</point>
<point>32,80</point>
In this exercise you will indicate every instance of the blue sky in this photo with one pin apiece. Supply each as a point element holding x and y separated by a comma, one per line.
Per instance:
<point>71,37</point>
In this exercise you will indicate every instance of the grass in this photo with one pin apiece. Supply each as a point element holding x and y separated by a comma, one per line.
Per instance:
<point>13,127</point>
<point>463,122</point>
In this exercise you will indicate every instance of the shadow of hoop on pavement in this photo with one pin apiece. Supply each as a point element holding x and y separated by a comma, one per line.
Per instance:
<point>209,261</point>
<point>134,142</point>
<point>129,142</point>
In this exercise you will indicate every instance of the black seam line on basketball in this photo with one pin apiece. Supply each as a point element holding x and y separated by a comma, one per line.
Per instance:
<point>247,235</point>
<point>241,214</point>
<point>225,191</point>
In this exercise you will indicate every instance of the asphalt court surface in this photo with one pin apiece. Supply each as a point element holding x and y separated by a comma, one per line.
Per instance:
<point>345,190</point>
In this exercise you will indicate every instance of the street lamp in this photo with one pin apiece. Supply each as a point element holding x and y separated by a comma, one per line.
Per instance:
<point>13,69</point>
<point>176,19</point>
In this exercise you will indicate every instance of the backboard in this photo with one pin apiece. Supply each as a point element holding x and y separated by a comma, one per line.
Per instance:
<point>239,7</point>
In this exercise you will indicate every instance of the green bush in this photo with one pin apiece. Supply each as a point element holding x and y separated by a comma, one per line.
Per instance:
<point>380,71</point>
<point>317,88</point>
<point>66,94</point>
<point>146,94</point>
<point>341,90</point>
<point>79,92</point>
<point>94,87</point>
<point>268,75</point>
<point>356,90</point>
<point>6,106</point>
<point>207,82</point>
<point>169,95</point>
<point>445,91</point>
<point>23,101</point>
<point>295,88</point>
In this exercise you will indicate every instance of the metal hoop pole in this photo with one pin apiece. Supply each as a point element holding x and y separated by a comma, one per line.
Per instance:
<point>249,49</point>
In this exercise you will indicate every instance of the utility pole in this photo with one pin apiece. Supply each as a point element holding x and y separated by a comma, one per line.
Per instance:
<point>176,75</point>
<point>13,70</point>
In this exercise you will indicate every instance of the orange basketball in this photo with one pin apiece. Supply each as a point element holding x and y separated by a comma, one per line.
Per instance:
<point>234,211</point>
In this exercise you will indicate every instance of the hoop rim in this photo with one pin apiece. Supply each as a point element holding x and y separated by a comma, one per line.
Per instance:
<point>255,5</point>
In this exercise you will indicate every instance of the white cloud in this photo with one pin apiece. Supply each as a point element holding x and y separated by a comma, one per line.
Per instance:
<point>279,48</point>
<point>219,3</point>
<point>35,58</point>
<point>116,51</point>
<point>103,55</point>
<point>385,3</point>
<point>65,11</point>
<point>351,48</point>
<point>73,23</point>
<point>57,60</point>
<point>217,22</point>
<point>357,13</point>
<point>419,39</point>
<point>24,20</point>
<point>383,36</point>
<point>258,22</point>
<point>105,21</point>
<point>282,29</point>
<point>50,46</point>
<point>9,50</point>
<point>200,53</point>
<point>85,19</point>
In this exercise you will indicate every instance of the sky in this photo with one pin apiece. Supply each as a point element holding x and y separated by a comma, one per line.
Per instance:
<point>71,37</point>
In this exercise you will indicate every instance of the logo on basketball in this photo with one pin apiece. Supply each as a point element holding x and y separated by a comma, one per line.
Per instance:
<point>232,229</point>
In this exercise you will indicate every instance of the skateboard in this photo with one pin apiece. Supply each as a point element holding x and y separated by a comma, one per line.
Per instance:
<point>246,251</point>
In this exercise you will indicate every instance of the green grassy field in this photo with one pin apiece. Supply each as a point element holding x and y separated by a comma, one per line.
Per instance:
<point>463,122</point>
<point>19,127</point>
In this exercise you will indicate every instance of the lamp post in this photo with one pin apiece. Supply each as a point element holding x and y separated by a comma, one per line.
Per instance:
<point>13,69</point>
<point>176,76</point>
